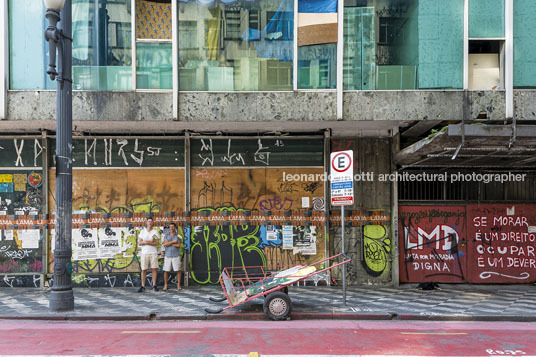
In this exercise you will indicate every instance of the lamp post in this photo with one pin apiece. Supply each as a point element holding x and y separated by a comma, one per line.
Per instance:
<point>62,297</point>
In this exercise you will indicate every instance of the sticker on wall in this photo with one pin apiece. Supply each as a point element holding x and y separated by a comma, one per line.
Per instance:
<point>287,237</point>
<point>8,234</point>
<point>29,238</point>
<point>318,204</point>
<point>271,233</point>
<point>19,182</point>
<point>6,178</point>
<point>35,179</point>
<point>6,186</point>
<point>305,202</point>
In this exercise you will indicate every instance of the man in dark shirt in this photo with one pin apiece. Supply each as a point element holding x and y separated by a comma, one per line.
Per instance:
<point>172,259</point>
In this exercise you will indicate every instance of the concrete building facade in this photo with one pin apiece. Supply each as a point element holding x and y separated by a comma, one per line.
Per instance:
<point>221,115</point>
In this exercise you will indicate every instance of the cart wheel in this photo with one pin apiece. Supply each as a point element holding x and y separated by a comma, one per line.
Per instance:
<point>277,306</point>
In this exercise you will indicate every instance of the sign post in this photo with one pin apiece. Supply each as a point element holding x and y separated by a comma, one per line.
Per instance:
<point>342,193</point>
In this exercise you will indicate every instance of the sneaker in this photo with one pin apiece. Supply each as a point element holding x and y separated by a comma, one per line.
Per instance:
<point>141,289</point>
<point>155,288</point>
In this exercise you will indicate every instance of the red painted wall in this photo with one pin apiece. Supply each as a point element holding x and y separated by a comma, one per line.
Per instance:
<point>502,243</point>
<point>487,243</point>
<point>432,243</point>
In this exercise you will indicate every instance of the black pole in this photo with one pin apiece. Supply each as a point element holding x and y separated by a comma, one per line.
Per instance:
<point>62,297</point>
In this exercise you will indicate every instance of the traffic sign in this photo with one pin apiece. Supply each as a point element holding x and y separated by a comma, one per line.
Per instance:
<point>342,178</point>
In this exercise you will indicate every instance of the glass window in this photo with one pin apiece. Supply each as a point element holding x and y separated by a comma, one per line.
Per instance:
<point>153,65</point>
<point>102,49</point>
<point>524,44</point>
<point>235,45</point>
<point>28,50</point>
<point>153,45</point>
<point>486,18</point>
<point>403,44</point>
<point>317,44</point>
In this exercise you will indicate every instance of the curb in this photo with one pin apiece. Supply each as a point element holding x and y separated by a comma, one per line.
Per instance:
<point>261,317</point>
<point>79,318</point>
<point>498,318</point>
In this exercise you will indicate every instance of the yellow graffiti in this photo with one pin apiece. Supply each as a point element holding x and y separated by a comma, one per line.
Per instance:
<point>377,248</point>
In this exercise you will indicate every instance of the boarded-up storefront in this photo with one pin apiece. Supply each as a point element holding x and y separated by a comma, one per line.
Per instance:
<point>257,176</point>
<point>21,205</point>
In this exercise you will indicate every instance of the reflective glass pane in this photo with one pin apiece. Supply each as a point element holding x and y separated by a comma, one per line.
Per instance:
<point>153,66</point>
<point>28,50</point>
<point>102,45</point>
<point>317,44</point>
<point>524,44</point>
<point>317,66</point>
<point>235,45</point>
<point>403,44</point>
<point>486,18</point>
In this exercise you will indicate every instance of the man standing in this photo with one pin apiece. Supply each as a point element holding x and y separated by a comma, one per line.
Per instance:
<point>148,241</point>
<point>172,258</point>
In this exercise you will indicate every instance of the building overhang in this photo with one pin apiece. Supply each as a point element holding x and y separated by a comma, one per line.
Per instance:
<point>343,128</point>
<point>473,146</point>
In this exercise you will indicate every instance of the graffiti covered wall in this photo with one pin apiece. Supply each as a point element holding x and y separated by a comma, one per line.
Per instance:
<point>502,243</point>
<point>433,244</point>
<point>368,242</point>
<point>255,190</point>
<point>21,249</point>
<point>487,243</point>
<point>117,191</point>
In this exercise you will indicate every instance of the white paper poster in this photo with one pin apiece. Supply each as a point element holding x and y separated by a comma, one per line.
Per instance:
<point>271,232</point>
<point>287,237</point>
<point>305,241</point>
<point>29,238</point>
<point>85,244</point>
<point>8,234</point>
<point>109,242</point>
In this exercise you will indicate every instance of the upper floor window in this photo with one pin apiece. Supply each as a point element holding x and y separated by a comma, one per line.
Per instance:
<point>102,45</point>
<point>232,45</point>
<point>153,44</point>
<point>410,44</point>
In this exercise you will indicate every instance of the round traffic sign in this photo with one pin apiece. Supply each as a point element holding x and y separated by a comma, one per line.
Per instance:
<point>341,161</point>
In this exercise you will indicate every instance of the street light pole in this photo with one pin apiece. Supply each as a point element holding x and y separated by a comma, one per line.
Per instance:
<point>62,297</point>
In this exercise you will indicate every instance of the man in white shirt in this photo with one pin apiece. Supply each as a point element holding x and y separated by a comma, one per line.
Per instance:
<point>148,241</point>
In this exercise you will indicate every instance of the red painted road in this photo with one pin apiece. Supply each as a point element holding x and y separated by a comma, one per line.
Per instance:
<point>319,337</point>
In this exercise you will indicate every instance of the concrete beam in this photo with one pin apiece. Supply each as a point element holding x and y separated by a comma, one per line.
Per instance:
<point>492,130</point>
<point>338,128</point>
<point>260,106</point>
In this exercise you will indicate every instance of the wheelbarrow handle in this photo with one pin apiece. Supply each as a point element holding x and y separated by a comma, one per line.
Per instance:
<point>345,256</point>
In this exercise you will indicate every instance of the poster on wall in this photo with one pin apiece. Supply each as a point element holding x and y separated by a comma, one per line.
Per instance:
<point>29,238</point>
<point>85,244</point>
<point>288,237</point>
<point>271,233</point>
<point>8,234</point>
<point>433,244</point>
<point>502,243</point>
<point>109,242</point>
<point>304,240</point>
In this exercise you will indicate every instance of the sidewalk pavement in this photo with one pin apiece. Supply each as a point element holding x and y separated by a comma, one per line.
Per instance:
<point>453,302</point>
